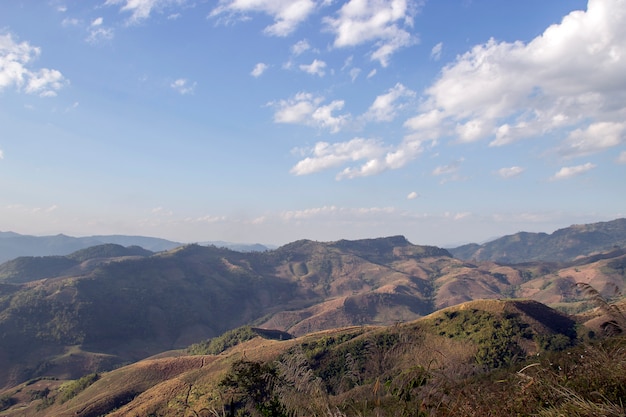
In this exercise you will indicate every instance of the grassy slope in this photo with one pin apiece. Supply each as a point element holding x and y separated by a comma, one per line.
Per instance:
<point>463,360</point>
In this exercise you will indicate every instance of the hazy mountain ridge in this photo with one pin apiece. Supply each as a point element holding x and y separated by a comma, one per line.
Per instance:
<point>14,245</point>
<point>563,245</point>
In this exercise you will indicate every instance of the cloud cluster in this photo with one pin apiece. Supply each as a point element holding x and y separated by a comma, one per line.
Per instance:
<point>569,79</point>
<point>568,83</point>
<point>314,68</point>
<point>97,32</point>
<point>141,9</point>
<point>385,23</point>
<point>386,106</point>
<point>371,155</point>
<point>287,14</point>
<point>307,109</point>
<point>15,71</point>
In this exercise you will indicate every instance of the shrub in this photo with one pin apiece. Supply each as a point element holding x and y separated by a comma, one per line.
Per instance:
<point>219,344</point>
<point>71,389</point>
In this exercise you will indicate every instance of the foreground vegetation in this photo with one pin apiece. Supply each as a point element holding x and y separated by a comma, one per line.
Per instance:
<point>483,358</point>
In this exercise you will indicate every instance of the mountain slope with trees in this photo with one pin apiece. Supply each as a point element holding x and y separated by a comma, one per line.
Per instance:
<point>495,357</point>
<point>123,309</point>
<point>564,245</point>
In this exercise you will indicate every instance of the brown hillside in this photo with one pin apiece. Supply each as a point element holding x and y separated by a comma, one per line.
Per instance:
<point>180,386</point>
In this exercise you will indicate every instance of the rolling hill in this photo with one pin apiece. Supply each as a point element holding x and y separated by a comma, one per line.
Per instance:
<point>105,312</point>
<point>493,357</point>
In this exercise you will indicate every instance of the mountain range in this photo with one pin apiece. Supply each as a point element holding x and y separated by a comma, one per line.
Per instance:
<point>563,245</point>
<point>13,245</point>
<point>63,317</point>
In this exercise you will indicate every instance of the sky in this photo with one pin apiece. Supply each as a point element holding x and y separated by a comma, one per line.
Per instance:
<point>269,121</point>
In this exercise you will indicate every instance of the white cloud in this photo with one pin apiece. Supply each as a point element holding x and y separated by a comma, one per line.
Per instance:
<point>621,159</point>
<point>451,168</point>
<point>325,155</point>
<point>375,157</point>
<point>15,60</point>
<point>300,47</point>
<point>569,82</point>
<point>372,73</point>
<point>412,195</point>
<point>1,154</point>
<point>141,9</point>
<point>97,21</point>
<point>385,23</point>
<point>334,211</point>
<point>183,86</point>
<point>314,68</point>
<point>259,69</point>
<point>287,14</point>
<point>569,172</point>
<point>98,34</point>
<point>594,138</point>
<point>435,53</point>
<point>510,172</point>
<point>308,110</point>
<point>385,106</point>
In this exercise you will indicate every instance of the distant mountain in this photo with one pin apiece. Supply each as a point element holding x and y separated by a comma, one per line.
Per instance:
<point>109,305</point>
<point>31,268</point>
<point>239,247</point>
<point>563,245</point>
<point>13,245</point>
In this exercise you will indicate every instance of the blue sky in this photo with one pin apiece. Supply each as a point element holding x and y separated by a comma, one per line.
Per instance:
<point>276,120</point>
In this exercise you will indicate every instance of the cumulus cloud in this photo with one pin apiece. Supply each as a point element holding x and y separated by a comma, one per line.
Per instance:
<point>183,86</point>
<point>569,172</point>
<point>372,155</point>
<point>15,71</point>
<point>325,155</point>
<point>1,154</point>
<point>412,195</point>
<point>384,23</point>
<point>385,106</point>
<point>287,14</point>
<point>510,172</point>
<point>568,82</point>
<point>141,9</point>
<point>314,68</point>
<point>300,47</point>
<point>596,137</point>
<point>307,109</point>
<point>259,69</point>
